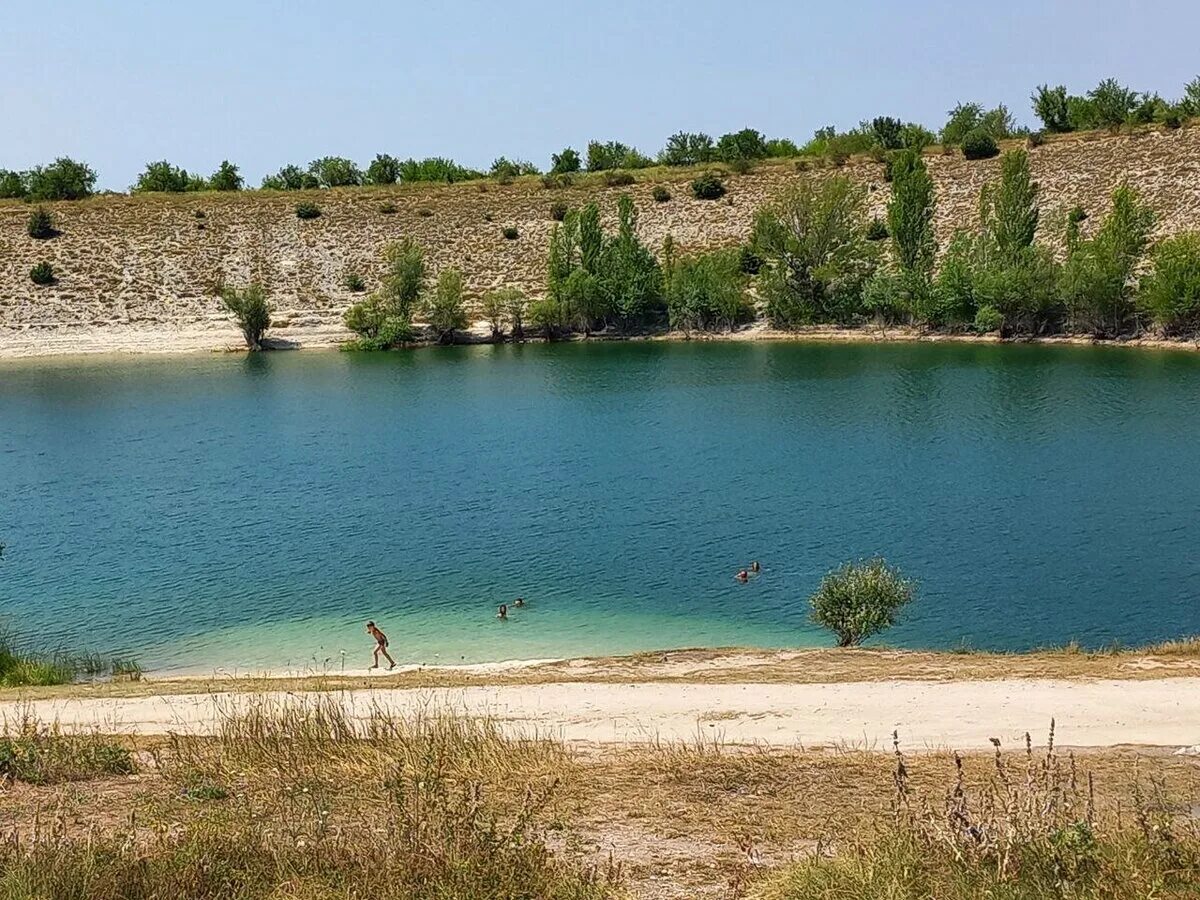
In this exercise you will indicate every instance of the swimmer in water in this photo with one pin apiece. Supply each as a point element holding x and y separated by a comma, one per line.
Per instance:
<point>755,567</point>
<point>503,612</point>
<point>519,602</point>
<point>743,576</point>
<point>381,645</point>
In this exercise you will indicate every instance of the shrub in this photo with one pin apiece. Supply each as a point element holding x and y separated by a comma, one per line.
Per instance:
<point>749,261</point>
<point>741,166</point>
<point>307,210</point>
<point>1111,103</point>
<point>388,209</point>
<point>226,178</point>
<point>252,310</point>
<point>988,319</point>
<point>1169,294</point>
<point>816,257</point>
<point>886,132</point>
<point>782,148</point>
<point>502,307</point>
<point>859,600</point>
<point>384,319</point>
<point>510,233</point>
<point>38,754</point>
<point>618,179</point>
<point>1035,139</point>
<point>708,186</point>
<point>42,274</point>
<point>660,194</point>
<point>979,144</point>
<point>910,216</point>
<point>557,182</point>
<point>436,168</point>
<point>564,163</point>
<point>548,316</point>
<point>1009,209</point>
<point>505,168</point>
<point>41,224</point>
<point>384,169</point>
<point>746,144</point>
<point>335,171</point>
<point>353,281</point>
<point>963,119</point>
<point>558,211</point>
<point>687,149</point>
<point>877,230</point>
<point>916,137</point>
<point>63,179</point>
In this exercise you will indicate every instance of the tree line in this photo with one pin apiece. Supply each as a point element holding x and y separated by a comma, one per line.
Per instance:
<point>969,126</point>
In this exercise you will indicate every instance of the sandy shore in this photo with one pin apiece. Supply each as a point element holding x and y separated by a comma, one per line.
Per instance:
<point>220,335</point>
<point>927,714</point>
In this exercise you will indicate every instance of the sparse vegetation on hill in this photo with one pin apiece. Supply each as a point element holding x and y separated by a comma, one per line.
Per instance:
<point>252,310</point>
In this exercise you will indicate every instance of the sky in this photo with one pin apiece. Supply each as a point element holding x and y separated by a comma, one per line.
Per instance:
<point>121,83</point>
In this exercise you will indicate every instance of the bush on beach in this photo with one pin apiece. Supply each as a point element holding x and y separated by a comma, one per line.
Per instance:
<point>859,600</point>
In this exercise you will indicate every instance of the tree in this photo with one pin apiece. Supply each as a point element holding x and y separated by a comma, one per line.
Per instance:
<point>687,149</point>
<point>63,179</point>
<point>887,132</point>
<point>859,600</point>
<point>707,291</point>
<point>747,144</point>
<point>503,307</point>
<point>252,310</point>
<point>816,257</point>
<point>41,224</point>
<point>384,319</point>
<point>162,176</point>
<point>1050,105</point>
<point>384,169</point>
<point>226,178</point>
<point>1169,294</point>
<point>630,281</point>
<point>1112,103</point>
<point>334,171</point>
<point>290,178</point>
<point>444,308</point>
<point>503,168</point>
<point>12,185</point>
<point>910,215</point>
<point>963,119</point>
<point>1190,104</point>
<point>1009,209</point>
<point>564,163</point>
<point>1097,279</point>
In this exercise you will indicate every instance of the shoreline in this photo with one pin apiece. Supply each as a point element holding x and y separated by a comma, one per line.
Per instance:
<point>220,336</point>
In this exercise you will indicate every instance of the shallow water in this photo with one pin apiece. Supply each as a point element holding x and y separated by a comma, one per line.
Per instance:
<point>208,511</point>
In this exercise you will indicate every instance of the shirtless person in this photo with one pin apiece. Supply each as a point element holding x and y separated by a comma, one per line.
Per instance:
<point>381,644</point>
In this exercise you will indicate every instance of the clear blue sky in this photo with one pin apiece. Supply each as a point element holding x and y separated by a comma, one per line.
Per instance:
<point>264,83</point>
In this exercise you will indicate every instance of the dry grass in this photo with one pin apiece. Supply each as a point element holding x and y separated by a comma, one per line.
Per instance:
<point>677,820</point>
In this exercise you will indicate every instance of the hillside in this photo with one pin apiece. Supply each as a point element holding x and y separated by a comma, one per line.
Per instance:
<point>143,264</point>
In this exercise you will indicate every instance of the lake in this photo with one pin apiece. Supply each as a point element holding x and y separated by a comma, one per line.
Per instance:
<point>246,512</point>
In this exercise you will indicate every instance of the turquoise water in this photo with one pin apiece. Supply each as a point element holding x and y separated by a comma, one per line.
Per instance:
<point>244,512</point>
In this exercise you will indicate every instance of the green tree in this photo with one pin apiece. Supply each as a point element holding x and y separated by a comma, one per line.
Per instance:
<point>1098,277</point>
<point>444,308</point>
<point>687,149</point>
<point>859,600</point>
<point>630,280</point>
<point>887,132</point>
<point>1169,294</point>
<point>335,171</point>
<point>816,258</point>
<point>1009,209</point>
<point>564,163</point>
<point>963,119</point>
<point>252,309</point>
<point>1050,105</point>
<point>384,169</point>
<point>384,319</point>
<point>505,306</point>
<point>747,144</point>
<point>162,176</point>
<point>41,224</point>
<point>290,178</point>
<point>63,179</point>
<point>226,178</point>
<point>707,292</point>
<point>910,215</point>
<point>1190,104</point>
<point>12,185</point>
<point>1112,103</point>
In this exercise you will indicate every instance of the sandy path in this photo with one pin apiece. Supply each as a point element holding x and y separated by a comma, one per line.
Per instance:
<point>928,714</point>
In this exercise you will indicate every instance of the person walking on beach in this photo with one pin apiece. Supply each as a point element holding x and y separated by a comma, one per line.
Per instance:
<point>381,645</point>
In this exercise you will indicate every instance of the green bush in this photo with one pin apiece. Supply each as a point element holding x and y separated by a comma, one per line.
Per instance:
<point>963,119</point>
<point>444,308</point>
<point>614,178</point>
<point>602,156</point>
<point>1050,105</point>
<point>502,307</point>
<point>749,261</point>
<point>384,319</point>
<point>436,168</point>
<point>979,144</point>
<point>164,177</point>
<point>548,316</point>
<point>307,210</point>
<point>12,185</point>
<point>1036,139</point>
<point>353,281</point>
<point>510,233</point>
<point>558,211</point>
<point>1169,294</point>
<point>558,181</point>
<point>860,600</point>
<point>37,754</point>
<point>877,230</point>
<point>41,224</point>
<point>42,274</point>
<point>747,144</point>
<point>63,179</point>
<point>708,186</point>
<point>741,166</point>
<point>660,194</point>
<point>335,171</point>
<point>886,132</point>
<point>226,178</point>
<point>505,168</point>
<point>252,310</point>
<point>988,319</point>
<point>384,169</point>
